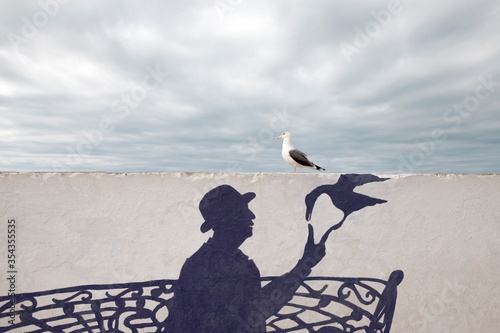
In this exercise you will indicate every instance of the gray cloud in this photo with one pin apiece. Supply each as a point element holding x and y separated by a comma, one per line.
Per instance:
<point>78,89</point>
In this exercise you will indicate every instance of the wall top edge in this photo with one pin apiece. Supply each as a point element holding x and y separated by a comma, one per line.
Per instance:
<point>298,174</point>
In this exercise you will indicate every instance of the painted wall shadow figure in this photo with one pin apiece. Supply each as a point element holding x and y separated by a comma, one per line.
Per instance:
<point>343,197</point>
<point>219,287</point>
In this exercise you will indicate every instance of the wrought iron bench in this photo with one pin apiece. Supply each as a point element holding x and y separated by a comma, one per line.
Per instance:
<point>319,305</point>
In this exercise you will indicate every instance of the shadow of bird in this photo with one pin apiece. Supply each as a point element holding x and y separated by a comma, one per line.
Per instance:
<point>343,197</point>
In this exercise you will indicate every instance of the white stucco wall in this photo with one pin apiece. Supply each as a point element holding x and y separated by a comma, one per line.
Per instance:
<point>99,228</point>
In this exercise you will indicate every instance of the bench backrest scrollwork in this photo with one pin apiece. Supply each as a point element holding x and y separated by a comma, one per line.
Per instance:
<point>329,304</point>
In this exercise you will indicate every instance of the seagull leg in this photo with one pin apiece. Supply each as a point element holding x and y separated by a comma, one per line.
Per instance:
<point>294,169</point>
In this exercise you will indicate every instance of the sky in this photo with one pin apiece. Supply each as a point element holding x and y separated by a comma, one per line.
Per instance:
<point>395,86</point>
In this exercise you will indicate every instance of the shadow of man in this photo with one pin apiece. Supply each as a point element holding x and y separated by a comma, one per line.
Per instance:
<point>219,288</point>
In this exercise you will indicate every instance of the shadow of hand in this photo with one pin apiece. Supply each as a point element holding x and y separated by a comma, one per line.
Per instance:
<point>313,253</point>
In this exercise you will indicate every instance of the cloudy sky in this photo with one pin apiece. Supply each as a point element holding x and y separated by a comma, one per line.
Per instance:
<point>364,86</point>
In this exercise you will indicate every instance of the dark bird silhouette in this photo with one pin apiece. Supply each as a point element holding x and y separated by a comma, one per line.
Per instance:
<point>343,197</point>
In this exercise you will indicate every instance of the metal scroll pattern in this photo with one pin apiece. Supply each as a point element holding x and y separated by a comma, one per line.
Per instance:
<point>320,305</point>
<point>330,305</point>
<point>131,307</point>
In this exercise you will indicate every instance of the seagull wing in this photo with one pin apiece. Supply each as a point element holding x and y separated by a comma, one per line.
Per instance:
<point>300,158</point>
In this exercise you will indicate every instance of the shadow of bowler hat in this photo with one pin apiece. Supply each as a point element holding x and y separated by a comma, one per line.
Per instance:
<point>220,201</point>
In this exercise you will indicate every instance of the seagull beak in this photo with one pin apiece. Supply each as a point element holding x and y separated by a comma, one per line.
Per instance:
<point>279,137</point>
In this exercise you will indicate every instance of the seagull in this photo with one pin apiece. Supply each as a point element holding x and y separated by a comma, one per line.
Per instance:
<point>293,156</point>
